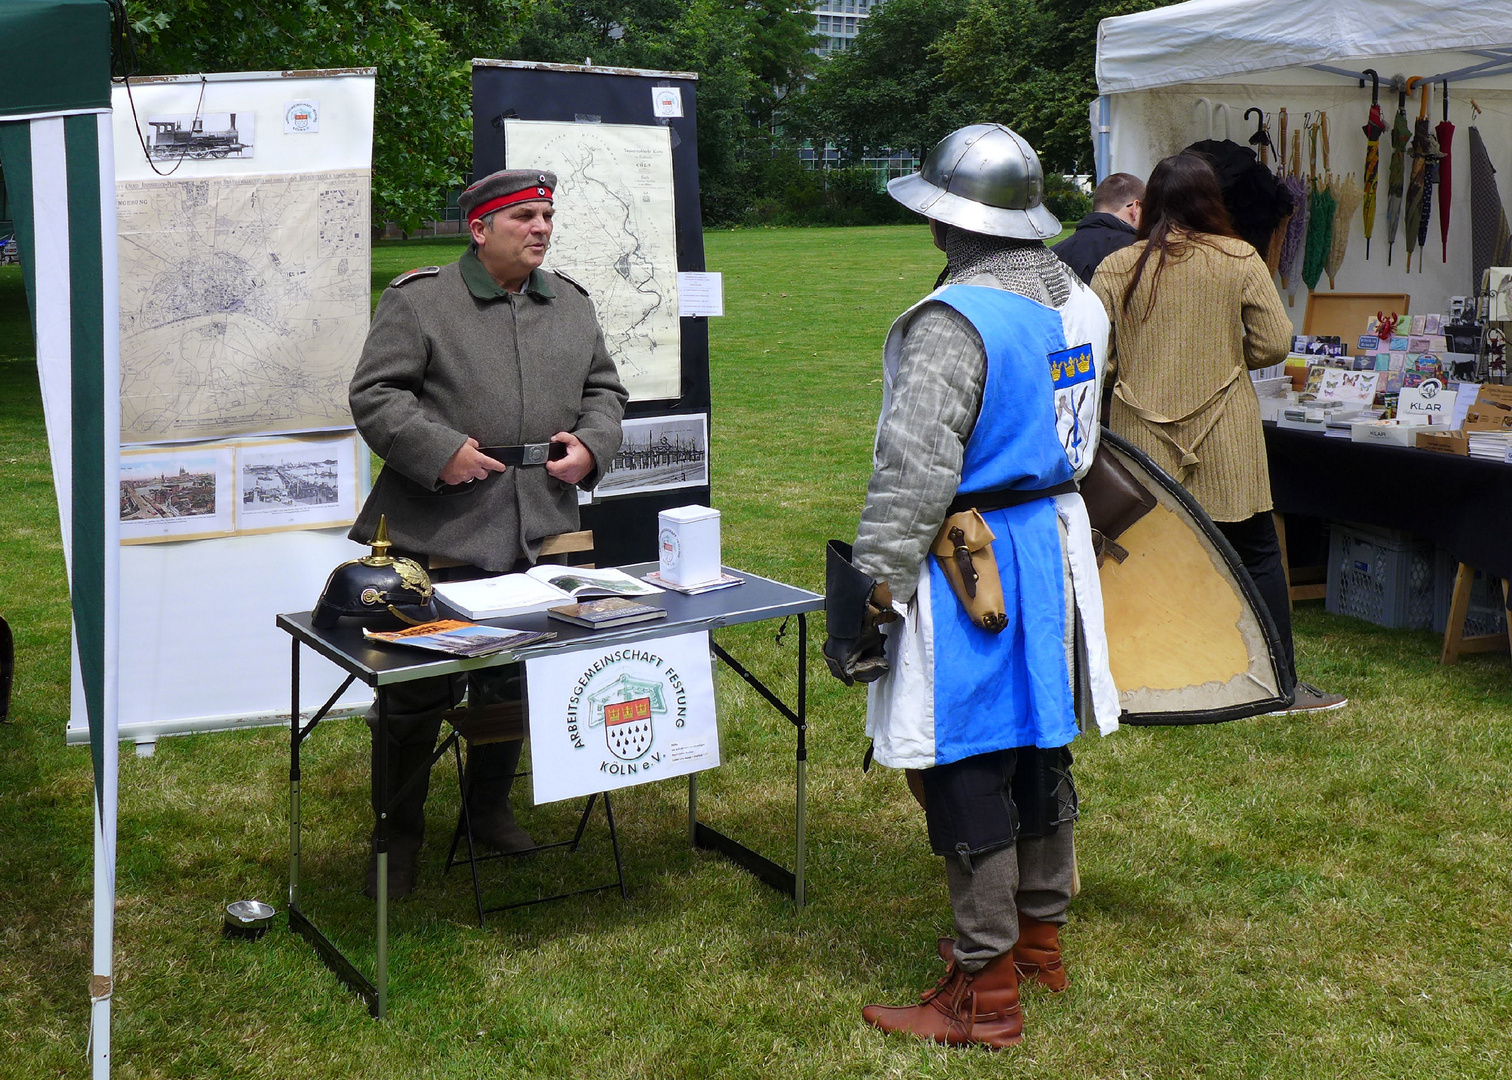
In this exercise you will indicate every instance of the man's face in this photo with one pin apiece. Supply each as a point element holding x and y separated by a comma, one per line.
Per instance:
<point>514,241</point>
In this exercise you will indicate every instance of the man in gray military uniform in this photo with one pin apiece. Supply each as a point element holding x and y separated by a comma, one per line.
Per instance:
<point>487,389</point>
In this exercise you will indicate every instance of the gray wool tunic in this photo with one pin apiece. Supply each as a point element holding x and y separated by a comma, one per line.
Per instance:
<point>452,355</point>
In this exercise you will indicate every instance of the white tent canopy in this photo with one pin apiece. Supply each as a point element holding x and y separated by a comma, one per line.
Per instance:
<point>1219,39</point>
<point>1172,76</point>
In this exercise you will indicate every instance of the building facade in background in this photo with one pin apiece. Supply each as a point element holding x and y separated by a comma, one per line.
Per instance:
<point>839,21</point>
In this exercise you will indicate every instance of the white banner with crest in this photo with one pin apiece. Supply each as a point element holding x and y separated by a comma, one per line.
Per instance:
<point>624,715</point>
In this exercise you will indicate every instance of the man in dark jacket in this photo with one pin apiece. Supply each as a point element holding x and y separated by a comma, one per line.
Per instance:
<point>471,373</point>
<point>1111,225</point>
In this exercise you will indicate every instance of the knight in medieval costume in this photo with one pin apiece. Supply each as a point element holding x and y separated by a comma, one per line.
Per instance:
<point>970,601</point>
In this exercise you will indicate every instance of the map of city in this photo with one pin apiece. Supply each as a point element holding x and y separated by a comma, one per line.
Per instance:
<point>244,303</point>
<point>616,233</point>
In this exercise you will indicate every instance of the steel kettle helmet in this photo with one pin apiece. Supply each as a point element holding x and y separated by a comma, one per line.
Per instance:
<point>983,178</point>
<point>377,586</point>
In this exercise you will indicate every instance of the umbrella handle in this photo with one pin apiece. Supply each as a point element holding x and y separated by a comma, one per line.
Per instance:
<point>1226,127</point>
<point>1375,85</point>
<point>1446,101</point>
<point>1206,105</point>
<point>1323,124</point>
<point>1281,146</point>
<point>1412,85</point>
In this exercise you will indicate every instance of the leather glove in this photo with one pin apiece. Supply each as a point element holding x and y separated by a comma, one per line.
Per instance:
<point>856,605</point>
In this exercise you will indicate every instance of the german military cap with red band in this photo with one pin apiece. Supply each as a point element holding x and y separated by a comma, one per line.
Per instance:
<point>505,188</point>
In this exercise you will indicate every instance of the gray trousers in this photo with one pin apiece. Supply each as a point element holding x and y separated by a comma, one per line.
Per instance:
<point>1033,876</point>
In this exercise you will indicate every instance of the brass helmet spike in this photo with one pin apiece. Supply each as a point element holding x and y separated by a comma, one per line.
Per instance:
<point>380,544</point>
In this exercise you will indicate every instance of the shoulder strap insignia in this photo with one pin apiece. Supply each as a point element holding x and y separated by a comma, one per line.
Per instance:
<point>410,275</point>
<point>578,285</point>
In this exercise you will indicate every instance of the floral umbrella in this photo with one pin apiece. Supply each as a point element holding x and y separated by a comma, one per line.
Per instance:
<point>1400,137</point>
<point>1296,228</point>
<point>1375,126</point>
<point>1321,204</point>
<point>1419,204</point>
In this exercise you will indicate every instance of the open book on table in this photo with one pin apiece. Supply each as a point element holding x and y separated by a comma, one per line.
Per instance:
<point>537,589</point>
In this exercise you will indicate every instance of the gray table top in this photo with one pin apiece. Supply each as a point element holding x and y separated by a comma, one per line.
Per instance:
<point>378,664</point>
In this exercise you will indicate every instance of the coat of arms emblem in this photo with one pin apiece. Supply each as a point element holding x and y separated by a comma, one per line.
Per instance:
<point>626,708</point>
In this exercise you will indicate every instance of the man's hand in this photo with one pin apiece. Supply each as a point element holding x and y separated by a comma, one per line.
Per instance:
<point>577,464</point>
<point>467,465</point>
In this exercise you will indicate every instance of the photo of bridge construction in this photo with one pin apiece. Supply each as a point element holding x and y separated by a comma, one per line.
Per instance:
<point>274,483</point>
<point>657,453</point>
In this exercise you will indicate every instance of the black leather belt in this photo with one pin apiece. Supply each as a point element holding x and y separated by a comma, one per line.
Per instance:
<point>1003,498</point>
<point>531,454</point>
<point>536,453</point>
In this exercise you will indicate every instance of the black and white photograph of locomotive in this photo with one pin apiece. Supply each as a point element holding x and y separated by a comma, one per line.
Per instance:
<point>205,136</point>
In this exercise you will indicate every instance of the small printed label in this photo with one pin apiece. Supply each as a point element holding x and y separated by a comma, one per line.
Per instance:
<point>302,118</point>
<point>666,101</point>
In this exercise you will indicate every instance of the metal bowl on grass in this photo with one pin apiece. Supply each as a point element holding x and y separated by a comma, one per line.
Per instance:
<point>248,919</point>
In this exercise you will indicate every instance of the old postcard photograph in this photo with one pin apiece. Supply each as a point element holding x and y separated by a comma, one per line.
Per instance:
<point>175,493</point>
<point>296,484</point>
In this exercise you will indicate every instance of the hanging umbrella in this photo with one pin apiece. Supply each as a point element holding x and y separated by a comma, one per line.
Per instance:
<point>1445,133</point>
<point>1261,139</point>
<point>1321,204</point>
<point>1400,137</point>
<point>1424,149</point>
<point>1296,229</point>
<point>1374,127</point>
<point>1350,196</point>
<point>1281,146</point>
<point>1490,237</point>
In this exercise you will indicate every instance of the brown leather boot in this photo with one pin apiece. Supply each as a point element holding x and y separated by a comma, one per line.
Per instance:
<point>1037,954</point>
<point>962,1008</point>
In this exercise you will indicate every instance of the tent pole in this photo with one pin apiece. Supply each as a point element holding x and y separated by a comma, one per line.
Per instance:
<point>1103,137</point>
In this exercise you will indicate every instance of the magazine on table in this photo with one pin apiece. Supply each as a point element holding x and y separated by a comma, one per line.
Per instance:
<point>723,581</point>
<point>607,612</point>
<point>537,589</point>
<point>457,638</point>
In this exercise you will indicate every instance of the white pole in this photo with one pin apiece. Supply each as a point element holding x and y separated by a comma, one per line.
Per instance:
<point>102,981</point>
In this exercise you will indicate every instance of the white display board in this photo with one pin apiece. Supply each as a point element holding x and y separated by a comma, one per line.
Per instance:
<point>199,648</point>
<point>624,715</point>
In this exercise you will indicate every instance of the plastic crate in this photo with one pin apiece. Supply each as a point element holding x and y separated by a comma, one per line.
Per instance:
<point>1487,613</point>
<point>1381,576</point>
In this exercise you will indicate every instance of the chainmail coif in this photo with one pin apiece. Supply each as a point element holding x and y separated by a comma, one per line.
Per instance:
<point>1026,267</point>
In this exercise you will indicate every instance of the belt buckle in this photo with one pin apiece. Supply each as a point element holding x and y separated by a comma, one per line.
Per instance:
<point>536,453</point>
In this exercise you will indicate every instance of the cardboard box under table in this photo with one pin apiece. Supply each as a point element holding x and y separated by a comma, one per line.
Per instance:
<point>384,666</point>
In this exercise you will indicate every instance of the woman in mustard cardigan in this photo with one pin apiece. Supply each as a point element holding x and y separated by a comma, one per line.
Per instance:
<point>1193,311</point>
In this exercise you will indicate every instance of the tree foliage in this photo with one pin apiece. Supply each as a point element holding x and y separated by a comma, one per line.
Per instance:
<point>919,69</point>
<point>749,55</point>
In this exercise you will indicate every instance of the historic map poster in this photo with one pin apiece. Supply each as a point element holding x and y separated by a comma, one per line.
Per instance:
<point>616,233</point>
<point>244,303</point>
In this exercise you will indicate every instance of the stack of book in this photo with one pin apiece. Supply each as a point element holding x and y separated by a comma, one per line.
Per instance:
<point>1489,445</point>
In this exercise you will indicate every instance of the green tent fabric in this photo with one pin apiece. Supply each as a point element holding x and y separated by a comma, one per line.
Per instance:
<point>59,164</point>
<point>56,56</point>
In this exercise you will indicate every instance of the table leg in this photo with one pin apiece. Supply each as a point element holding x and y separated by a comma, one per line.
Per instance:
<point>294,741</point>
<point>693,809</point>
<point>380,846</point>
<point>802,726</point>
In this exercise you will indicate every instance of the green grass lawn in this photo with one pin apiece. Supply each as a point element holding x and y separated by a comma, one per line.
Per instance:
<point>1272,898</point>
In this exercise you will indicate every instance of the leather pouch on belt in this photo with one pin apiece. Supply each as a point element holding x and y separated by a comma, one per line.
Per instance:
<point>963,547</point>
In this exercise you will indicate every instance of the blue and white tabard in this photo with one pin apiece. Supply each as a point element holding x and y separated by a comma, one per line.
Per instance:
<point>956,690</point>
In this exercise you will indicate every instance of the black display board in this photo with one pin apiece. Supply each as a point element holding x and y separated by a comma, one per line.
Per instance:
<point>624,527</point>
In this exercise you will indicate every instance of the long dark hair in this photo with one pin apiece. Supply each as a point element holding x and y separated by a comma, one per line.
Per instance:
<point>1182,205</point>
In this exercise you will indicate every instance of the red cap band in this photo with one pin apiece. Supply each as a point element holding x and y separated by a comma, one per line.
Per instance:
<point>523,195</point>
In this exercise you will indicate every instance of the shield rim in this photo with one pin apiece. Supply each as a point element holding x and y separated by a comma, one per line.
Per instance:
<point>1251,594</point>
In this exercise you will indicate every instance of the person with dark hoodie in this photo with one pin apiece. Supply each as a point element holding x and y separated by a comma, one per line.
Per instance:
<point>1111,225</point>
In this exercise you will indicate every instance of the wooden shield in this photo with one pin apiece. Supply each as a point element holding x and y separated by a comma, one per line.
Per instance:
<point>1189,639</point>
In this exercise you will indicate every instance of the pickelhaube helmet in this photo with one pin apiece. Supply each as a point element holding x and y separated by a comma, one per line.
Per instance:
<point>983,178</point>
<point>377,586</point>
